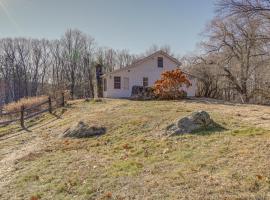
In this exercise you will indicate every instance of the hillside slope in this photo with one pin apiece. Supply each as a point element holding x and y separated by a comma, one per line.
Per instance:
<point>133,160</point>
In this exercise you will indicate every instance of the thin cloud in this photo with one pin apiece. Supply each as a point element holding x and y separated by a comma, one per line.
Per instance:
<point>4,8</point>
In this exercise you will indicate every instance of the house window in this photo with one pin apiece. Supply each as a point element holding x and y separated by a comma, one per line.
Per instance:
<point>126,83</point>
<point>160,62</point>
<point>117,82</point>
<point>105,84</point>
<point>145,81</point>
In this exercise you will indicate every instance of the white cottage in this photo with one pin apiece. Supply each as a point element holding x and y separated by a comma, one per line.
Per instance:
<point>119,83</point>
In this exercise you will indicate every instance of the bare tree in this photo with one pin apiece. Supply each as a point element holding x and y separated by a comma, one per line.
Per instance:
<point>239,43</point>
<point>73,46</point>
<point>250,7</point>
<point>208,74</point>
<point>124,58</point>
<point>154,48</point>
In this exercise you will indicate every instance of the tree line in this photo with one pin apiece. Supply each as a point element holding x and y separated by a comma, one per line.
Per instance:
<point>234,61</point>
<point>31,67</point>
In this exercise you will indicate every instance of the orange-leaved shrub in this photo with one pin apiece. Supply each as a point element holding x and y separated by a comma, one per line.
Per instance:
<point>26,102</point>
<point>170,85</point>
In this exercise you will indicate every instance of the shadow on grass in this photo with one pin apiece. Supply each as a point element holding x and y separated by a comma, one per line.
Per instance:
<point>58,116</point>
<point>40,119</point>
<point>43,120</point>
<point>25,129</point>
<point>13,132</point>
<point>10,134</point>
<point>209,101</point>
<point>214,129</point>
<point>195,100</point>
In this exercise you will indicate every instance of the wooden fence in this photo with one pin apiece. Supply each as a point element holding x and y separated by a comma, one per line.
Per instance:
<point>27,113</point>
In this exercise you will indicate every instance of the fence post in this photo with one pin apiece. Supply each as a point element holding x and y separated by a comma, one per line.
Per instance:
<point>22,116</point>
<point>63,99</point>
<point>50,105</point>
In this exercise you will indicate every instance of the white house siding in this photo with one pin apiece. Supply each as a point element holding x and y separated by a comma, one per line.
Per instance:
<point>149,69</point>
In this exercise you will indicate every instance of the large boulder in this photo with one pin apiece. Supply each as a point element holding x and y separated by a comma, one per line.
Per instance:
<point>196,121</point>
<point>82,130</point>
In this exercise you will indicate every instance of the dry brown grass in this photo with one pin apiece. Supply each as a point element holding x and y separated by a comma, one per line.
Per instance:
<point>26,102</point>
<point>132,160</point>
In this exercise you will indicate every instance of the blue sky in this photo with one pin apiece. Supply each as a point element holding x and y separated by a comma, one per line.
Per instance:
<point>130,24</point>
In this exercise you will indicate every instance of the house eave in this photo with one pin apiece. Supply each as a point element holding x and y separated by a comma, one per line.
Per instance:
<point>141,61</point>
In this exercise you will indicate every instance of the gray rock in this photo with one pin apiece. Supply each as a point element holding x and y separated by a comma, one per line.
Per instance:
<point>195,121</point>
<point>82,130</point>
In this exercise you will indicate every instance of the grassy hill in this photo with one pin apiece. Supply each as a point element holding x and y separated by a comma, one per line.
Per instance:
<point>134,160</point>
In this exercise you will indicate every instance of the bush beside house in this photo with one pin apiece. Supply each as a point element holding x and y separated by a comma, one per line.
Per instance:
<point>142,93</point>
<point>170,86</point>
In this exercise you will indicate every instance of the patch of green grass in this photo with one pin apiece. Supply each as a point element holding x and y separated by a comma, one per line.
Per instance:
<point>30,178</point>
<point>125,168</point>
<point>249,131</point>
<point>9,129</point>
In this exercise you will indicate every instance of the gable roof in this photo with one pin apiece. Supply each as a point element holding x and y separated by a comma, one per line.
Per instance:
<point>135,64</point>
